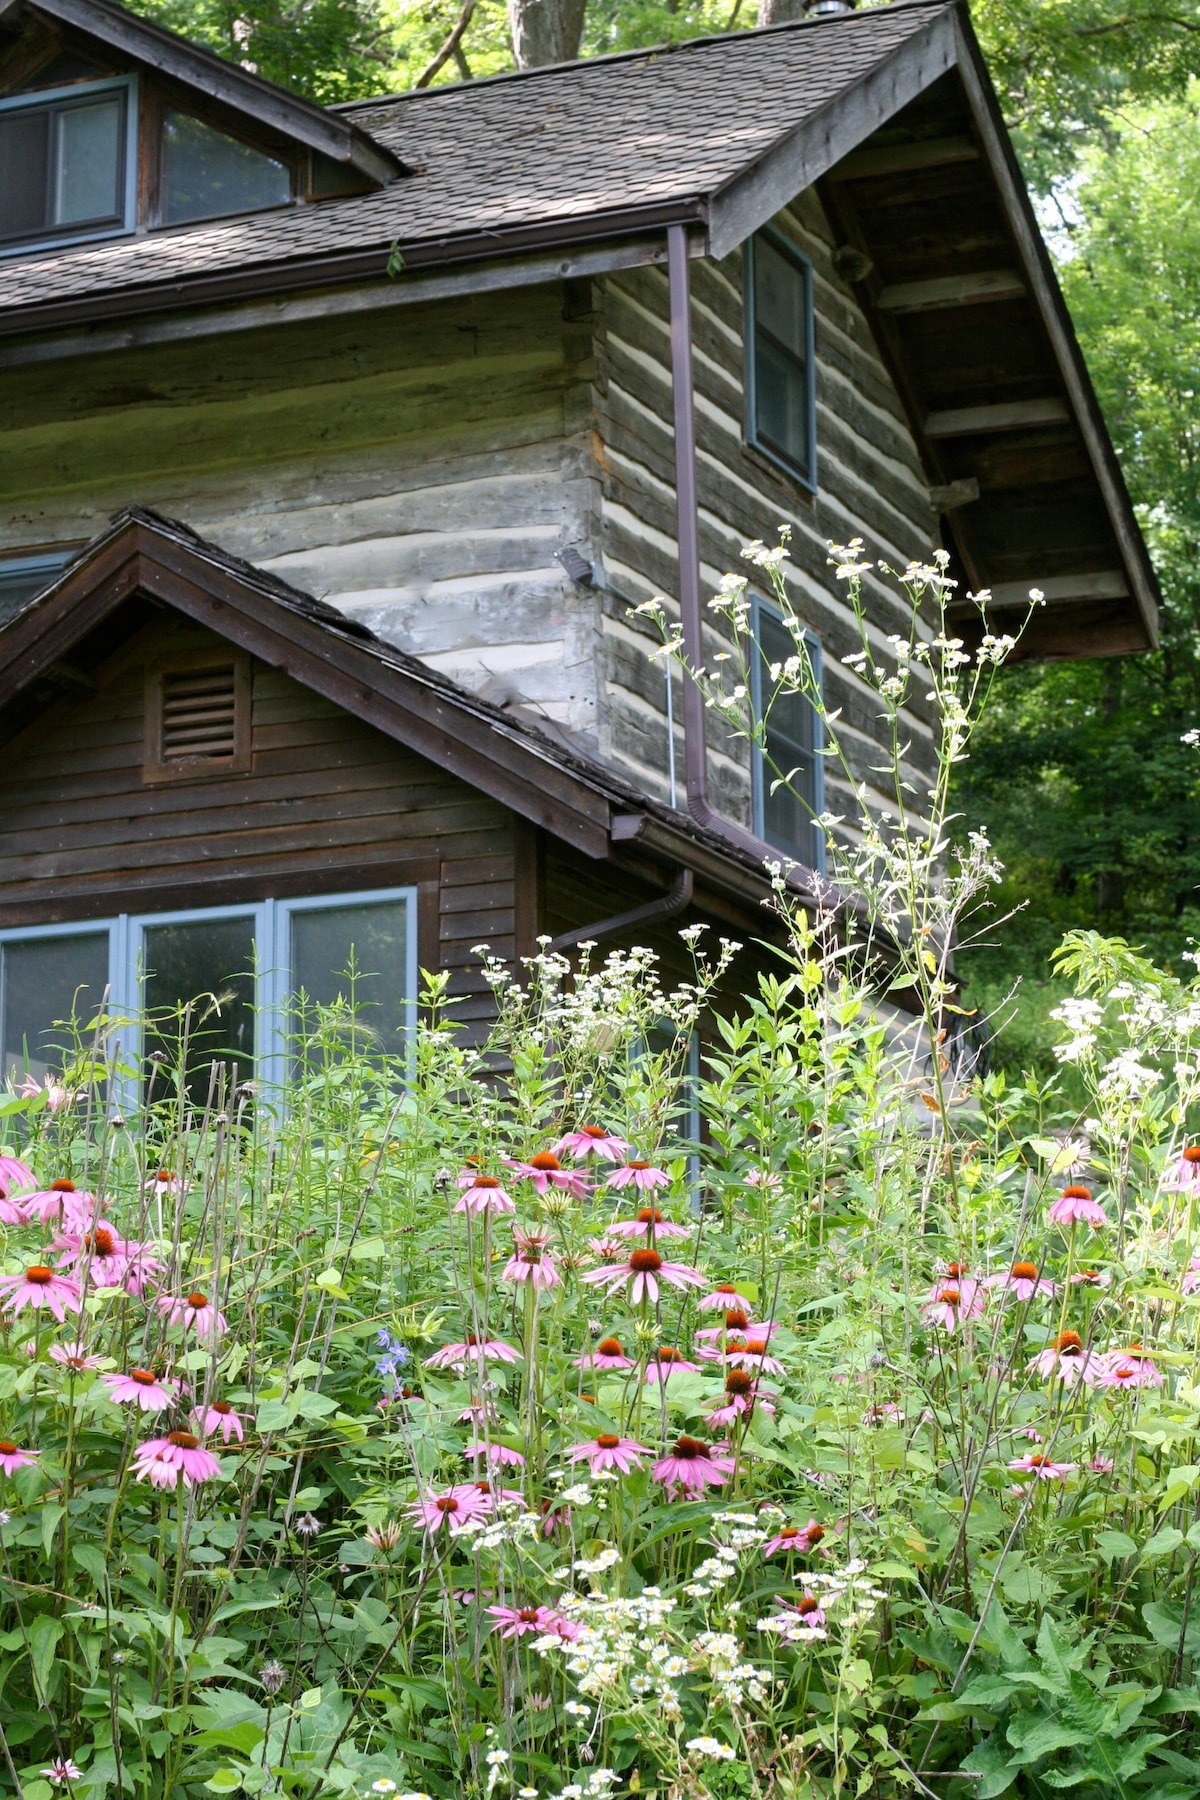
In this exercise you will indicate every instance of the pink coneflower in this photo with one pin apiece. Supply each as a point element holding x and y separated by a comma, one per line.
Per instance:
<point>1101,1465</point>
<point>608,1451</point>
<point>1191,1277</point>
<point>488,1496</point>
<point>15,1177</point>
<point>644,1270</point>
<point>1093,1278</point>
<point>804,1619</point>
<point>1042,1467</point>
<point>724,1295</point>
<point>649,1223</point>
<point>531,1260</point>
<point>1023,1281</point>
<point>666,1362</point>
<point>499,1455</point>
<point>1065,1357</point>
<point>39,1286</point>
<point>1076,1204</point>
<point>194,1310</point>
<point>1185,1175</point>
<point>641,1175</point>
<point>752,1353</point>
<point>164,1183</point>
<point>608,1354</point>
<point>140,1270</point>
<point>179,1456</point>
<point>592,1140</point>
<point>483,1194</point>
<point>692,1466</point>
<point>737,1323</point>
<point>61,1770</point>
<point>218,1415</point>
<point>545,1170</point>
<point>742,1395</point>
<point>63,1202</point>
<point>100,1251</point>
<point>142,1388</point>
<point>73,1357</point>
<point>795,1537</point>
<point>480,1350</point>
<point>516,1621</point>
<point>12,1459</point>
<point>1130,1368</point>
<point>448,1512</point>
<point>951,1301</point>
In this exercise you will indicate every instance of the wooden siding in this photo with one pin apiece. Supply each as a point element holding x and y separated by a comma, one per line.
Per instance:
<point>328,805</point>
<point>871,484</point>
<point>420,470</point>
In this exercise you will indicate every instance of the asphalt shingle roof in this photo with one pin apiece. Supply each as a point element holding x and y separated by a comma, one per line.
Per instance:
<point>549,147</point>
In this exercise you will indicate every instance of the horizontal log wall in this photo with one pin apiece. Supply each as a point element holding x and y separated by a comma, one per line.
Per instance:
<point>870,485</point>
<point>329,805</point>
<point>420,469</point>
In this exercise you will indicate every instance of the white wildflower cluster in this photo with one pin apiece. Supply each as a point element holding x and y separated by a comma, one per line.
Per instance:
<point>732,601</point>
<point>736,1534</point>
<point>1125,1078</point>
<point>596,1565</point>
<point>994,649</point>
<point>1191,738</point>
<point>847,560</point>
<point>617,1646</point>
<point>599,1782</point>
<point>734,1679</point>
<point>509,1524</point>
<point>1082,1018</point>
<point>710,1746</point>
<point>847,1594</point>
<point>769,559</point>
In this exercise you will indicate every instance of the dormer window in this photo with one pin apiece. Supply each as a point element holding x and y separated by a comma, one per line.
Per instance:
<point>66,168</point>
<point>207,173</point>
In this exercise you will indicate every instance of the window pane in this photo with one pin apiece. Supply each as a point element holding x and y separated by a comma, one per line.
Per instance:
<point>780,402</point>
<point>787,814</point>
<point>18,586</point>
<point>207,174</point>
<point>209,962</point>
<point>323,941</point>
<point>787,824</point>
<point>791,718</point>
<point>87,185</point>
<point>24,160</point>
<point>779,297</point>
<point>46,980</point>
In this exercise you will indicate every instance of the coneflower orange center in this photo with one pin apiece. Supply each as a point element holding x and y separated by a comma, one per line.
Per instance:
<point>1077,1193</point>
<point>183,1440</point>
<point>956,1271</point>
<point>143,1377</point>
<point>1192,1153</point>
<point>667,1355</point>
<point>1037,1462</point>
<point>814,1534</point>
<point>650,1215</point>
<point>645,1262</point>
<point>6,1447</point>
<point>609,1347</point>
<point>592,1131</point>
<point>949,1296</point>
<point>532,1253</point>
<point>1025,1271</point>
<point>528,1615</point>
<point>164,1175</point>
<point>446,1504</point>
<point>789,1531</point>
<point>39,1275</point>
<point>739,1382</point>
<point>486,1181</point>
<point>639,1165</point>
<point>1089,1274</point>
<point>689,1448</point>
<point>724,1287</point>
<point>545,1159</point>
<point>223,1407</point>
<point>735,1344</point>
<point>607,1440</point>
<point>809,1605</point>
<point>101,1241</point>
<point>197,1300</point>
<point>62,1186</point>
<point>1068,1343</point>
<point>755,1347</point>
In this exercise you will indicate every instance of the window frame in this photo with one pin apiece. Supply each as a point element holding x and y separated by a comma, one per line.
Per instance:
<point>272,926</point>
<point>78,91</point>
<point>759,773</point>
<point>805,474</point>
<point>50,563</point>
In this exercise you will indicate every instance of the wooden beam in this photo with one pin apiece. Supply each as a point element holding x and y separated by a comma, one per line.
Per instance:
<point>952,494</point>
<point>1003,415</point>
<point>1065,590</point>
<point>897,159</point>
<point>943,291</point>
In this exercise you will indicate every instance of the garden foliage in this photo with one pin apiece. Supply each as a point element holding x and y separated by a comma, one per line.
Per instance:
<point>543,1418</point>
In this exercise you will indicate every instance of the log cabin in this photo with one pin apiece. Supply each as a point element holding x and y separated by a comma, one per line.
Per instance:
<point>340,445</point>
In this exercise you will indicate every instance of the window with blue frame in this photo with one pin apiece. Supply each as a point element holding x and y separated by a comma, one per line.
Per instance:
<point>788,769</point>
<point>21,577</point>
<point>244,965</point>
<point>68,163</point>
<point>780,399</point>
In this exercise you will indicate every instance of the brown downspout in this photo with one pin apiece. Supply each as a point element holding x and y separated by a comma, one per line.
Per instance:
<point>669,906</point>
<point>806,881</point>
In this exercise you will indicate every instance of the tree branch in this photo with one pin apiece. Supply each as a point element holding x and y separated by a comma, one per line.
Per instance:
<point>450,46</point>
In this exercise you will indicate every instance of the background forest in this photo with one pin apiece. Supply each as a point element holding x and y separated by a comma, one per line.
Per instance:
<point>1079,772</point>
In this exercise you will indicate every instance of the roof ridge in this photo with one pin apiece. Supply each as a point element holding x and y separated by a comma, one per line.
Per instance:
<point>821,21</point>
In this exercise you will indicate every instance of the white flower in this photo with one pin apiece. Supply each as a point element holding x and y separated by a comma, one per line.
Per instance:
<point>383,1786</point>
<point>495,1758</point>
<point>710,1746</point>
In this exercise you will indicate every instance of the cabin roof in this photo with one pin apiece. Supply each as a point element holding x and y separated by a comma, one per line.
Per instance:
<point>580,149</point>
<point>145,563</point>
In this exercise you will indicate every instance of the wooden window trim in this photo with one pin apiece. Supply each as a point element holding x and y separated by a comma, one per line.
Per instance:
<point>805,474</point>
<point>759,774</point>
<point>197,768</point>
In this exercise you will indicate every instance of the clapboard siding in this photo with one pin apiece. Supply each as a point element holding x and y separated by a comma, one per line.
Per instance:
<point>870,485</point>
<point>329,803</point>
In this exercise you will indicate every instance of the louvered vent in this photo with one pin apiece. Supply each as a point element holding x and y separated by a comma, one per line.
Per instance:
<point>199,714</point>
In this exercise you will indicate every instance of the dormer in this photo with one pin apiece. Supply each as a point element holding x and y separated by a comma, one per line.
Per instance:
<point>110,127</point>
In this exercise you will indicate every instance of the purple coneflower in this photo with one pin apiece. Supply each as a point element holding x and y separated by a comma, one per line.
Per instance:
<point>950,1302</point>
<point>592,1140</point>
<point>742,1395</point>
<point>15,1176</point>
<point>516,1621</point>
<point>608,1451</point>
<point>1130,1368</point>
<point>142,1388</point>
<point>1065,1357</point>
<point>73,1357</point>
<point>691,1466</point>
<point>447,1512</point>
<point>499,1455</point>
<point>649,1223</point>
<point>62,1769</point>
<point>752,1353</point>
<point>179,1456</point>
<point>608,1354</point>
<point>804,1619</point>
<point>70,1207</point>
<point>1093,1278</point>
<point>1191,1277</point>
<point>479,1350</point>
<point>641,1175</point>
<point>483,1194</point>
<point>644,1270</point>
<point>99,1251</point>
<point>162,1183</point>
<point>218,1415</point>
<point>488,1496</point>
<point>545,1171</point>
<point>1101,1465</point>
<point>12,1459</point>
<point>194,1310</point>
<point>666,1362</point>
<point>531,1260</point>
<point>1042,1467</point>
<point>795,1537</point>
<point>39,1286</point>
<point>1023,1281</point>
<point>1075,1204</point>
<point>1185,1175</point>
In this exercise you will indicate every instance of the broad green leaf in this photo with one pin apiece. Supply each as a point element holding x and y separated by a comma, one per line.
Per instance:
<point>45,1634</point>
<point>225,1781</point>
<point>1112,1544</point>
<point>1162,1543</point>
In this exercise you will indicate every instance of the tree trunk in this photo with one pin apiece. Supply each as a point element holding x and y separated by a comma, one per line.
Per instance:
<point>545,31</point>
<point>778,12</point>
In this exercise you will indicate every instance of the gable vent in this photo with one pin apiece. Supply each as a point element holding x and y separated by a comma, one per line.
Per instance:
<point>199,713</point>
